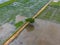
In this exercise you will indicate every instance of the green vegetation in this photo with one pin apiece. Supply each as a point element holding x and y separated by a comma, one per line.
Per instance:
<point>55,4</point>
<point>51,13</point>
<point>30,20</point>
<point>19,7</point>
<point>19,24</point>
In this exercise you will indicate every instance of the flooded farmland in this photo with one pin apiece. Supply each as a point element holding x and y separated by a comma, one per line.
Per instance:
<point>44,31</point>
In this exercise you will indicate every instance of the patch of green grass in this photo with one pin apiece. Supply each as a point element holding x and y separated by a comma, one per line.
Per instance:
<point>19,24</point>
<point>55,4</point>
<point>51,13</point>
<point>46,14</point>
<point>30,20</point>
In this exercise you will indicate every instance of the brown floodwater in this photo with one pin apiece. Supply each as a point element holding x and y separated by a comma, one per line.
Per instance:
<point>39,33</point>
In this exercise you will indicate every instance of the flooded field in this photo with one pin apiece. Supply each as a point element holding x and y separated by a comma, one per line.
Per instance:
<point>7,29</point>
<point>43,33</point>
<point>45,30</point>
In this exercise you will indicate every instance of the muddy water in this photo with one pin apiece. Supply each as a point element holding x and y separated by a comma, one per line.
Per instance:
<point>43,33</point>
<point>6,30</point>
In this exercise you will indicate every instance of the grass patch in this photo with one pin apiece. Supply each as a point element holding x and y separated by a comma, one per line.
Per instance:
<point>19,24</point>
<point>52,13</point>
<point>30,20</point>
<point>55,4</point>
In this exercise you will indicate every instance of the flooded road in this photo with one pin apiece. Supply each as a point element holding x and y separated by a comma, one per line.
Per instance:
<point>42,33</point>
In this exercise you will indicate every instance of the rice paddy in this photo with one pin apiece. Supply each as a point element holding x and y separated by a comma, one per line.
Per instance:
<point>51,13</point>
<point>20,7</point>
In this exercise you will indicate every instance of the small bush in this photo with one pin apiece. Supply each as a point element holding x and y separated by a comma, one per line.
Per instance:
<point>30,20</point>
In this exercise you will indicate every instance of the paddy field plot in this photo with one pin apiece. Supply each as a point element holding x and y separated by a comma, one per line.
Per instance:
<point>51,13</point>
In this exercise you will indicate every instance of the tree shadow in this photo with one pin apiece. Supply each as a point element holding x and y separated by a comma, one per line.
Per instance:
<point>30,27</point>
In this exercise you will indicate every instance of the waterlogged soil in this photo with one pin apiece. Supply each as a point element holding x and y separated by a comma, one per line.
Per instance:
<point>42,33</point>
